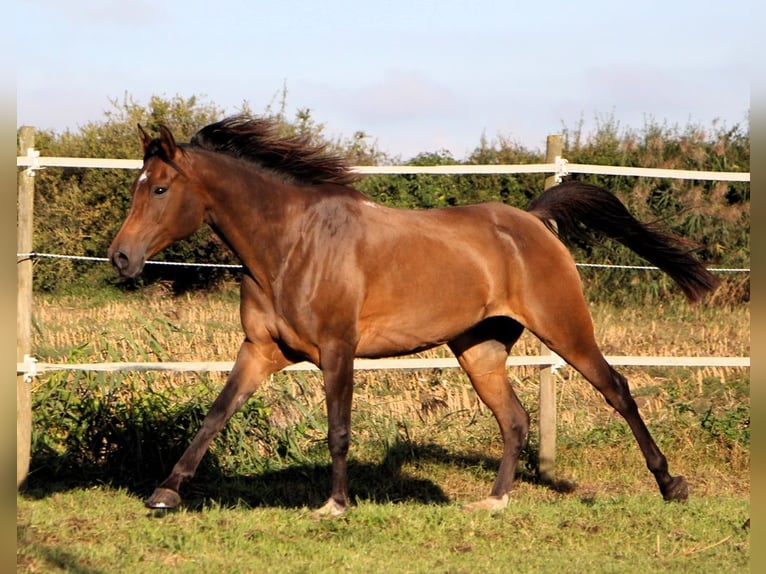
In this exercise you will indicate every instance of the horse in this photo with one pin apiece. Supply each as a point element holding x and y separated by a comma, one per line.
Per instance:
<point>329,275</point>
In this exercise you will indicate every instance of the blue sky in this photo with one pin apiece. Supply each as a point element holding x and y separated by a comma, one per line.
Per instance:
<point>415,76</point>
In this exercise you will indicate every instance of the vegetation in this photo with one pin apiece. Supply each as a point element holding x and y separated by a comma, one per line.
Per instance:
<point>104,530</point>
<point>422,445</point>
<point>78,211</point>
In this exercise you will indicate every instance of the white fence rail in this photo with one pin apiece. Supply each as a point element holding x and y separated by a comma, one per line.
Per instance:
<point>31,368</point>
<point>561,167</point>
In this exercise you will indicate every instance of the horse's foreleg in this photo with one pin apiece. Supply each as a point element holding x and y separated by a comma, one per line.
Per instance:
<point>250,368</point>
<point>338,371</point>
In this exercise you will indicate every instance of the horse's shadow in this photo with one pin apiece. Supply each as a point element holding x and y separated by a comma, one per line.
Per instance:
<point>295,485</point>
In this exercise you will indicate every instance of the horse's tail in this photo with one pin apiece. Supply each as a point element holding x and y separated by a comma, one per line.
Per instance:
<point>580,209</point>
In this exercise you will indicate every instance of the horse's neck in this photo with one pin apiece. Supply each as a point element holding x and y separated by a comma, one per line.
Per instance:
<point>249,212</point>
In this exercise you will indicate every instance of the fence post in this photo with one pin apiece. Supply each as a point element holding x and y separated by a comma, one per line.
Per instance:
<point>25,209</point>
<point>546,465</point>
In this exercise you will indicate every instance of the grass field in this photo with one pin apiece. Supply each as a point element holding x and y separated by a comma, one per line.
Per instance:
<point>422,446</point>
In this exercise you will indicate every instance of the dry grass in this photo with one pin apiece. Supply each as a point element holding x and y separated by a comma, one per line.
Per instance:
<point>157,326</point>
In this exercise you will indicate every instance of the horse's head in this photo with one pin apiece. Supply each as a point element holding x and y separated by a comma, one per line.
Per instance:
<point>165,207</point>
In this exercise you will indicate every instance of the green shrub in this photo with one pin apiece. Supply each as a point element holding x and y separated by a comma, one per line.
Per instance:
<point>129,429</point>
<point>78,211</point>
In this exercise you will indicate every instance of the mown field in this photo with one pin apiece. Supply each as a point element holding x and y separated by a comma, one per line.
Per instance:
<point>422,446</point>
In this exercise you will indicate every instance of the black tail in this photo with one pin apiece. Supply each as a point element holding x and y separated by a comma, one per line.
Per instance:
<point>574,204</point>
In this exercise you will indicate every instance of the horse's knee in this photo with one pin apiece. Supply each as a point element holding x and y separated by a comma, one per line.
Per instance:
<point>338,440</point>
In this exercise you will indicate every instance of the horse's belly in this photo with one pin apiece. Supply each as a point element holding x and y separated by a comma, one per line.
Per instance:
<point>416,324</point>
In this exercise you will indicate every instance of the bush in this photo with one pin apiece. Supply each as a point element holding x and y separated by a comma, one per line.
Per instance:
<point>130,429</point>
<point>714,215</point>
<point>78,211</point>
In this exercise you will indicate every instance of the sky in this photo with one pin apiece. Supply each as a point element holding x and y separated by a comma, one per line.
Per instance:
<point>415,76</point>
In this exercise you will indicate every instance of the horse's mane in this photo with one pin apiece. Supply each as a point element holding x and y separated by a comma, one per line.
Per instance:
<point>263,141</point>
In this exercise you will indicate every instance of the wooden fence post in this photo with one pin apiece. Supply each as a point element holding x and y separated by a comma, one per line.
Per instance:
<point>547,451</point>
<point>25,209</point>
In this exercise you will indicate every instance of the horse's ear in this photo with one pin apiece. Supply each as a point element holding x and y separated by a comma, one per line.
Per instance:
<point>146,139</point>
<point>168,142</point>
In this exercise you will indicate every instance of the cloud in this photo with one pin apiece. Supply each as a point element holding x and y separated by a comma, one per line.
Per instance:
<point>114,15</point>
<point>401,94</point>
<point>405,111</point>
<point>676,94</point>
<point>395,96</point>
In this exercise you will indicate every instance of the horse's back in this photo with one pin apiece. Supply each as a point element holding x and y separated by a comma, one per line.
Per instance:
<point>430,275</point>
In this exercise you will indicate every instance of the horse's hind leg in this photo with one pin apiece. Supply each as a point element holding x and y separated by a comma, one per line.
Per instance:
<point>482,352</point>
<point>614,387</point>
<point>569,333</point>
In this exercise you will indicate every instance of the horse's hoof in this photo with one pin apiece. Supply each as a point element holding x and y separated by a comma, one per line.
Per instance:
<point>677,490</point>
<point>163,499</point>
<point>331,509</point>
<point>492,503</point>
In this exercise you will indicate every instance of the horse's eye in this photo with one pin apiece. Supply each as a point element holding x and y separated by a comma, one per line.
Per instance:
<point>160,190</point>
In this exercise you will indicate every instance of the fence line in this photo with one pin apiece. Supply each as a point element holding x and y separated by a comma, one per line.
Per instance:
<point>30,368</point>
<point>35,255</point>
<point>560,167</point>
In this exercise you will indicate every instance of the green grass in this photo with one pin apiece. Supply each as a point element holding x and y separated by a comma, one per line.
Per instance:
<point>105,530</point>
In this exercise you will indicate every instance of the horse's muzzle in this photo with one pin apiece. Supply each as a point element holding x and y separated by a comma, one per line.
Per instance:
<point>124,265</point>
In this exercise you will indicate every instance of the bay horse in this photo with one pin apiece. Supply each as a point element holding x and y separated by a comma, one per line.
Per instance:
<point>329,275</point>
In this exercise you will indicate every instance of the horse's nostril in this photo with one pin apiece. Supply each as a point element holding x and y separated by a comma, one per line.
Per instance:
<point>120,261</point>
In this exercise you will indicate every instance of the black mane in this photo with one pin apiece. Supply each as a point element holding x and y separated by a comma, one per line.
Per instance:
<point>264,142</point>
